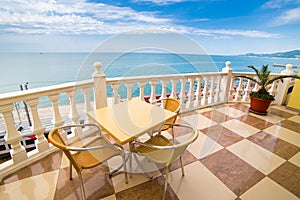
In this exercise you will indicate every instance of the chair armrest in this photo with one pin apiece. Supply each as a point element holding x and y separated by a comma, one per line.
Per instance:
<point>153,146</point>
<point>80,125</point>
<point>94,147</point>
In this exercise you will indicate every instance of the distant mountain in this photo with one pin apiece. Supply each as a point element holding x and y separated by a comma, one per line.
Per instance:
<point>288,54</point>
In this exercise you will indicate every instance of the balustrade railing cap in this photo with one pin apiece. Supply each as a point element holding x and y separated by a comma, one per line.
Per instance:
<point>227,66</point>
<point>98,66</point>
<point>288,70</point>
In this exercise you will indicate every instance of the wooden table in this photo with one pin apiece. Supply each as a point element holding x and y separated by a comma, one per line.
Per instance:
<point>128,120</point>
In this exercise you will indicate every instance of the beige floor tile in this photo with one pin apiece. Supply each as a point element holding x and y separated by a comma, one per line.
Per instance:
<point>284,134</point>
<point>136,173</point>
<point>285,109</point>
<point>198,121</point>
<point>260,158</point>
<point>198,183</point>
<point>203,146</point>
<point>204,110</point>
<point>111,197</point>
<point>269,118</point>
<point>33,188</point>
<point>64,161</point>
<point>232,112</point>
<point>267,189</point>
<point>240,128</point>
<point>295,118</point>
<point>296,159</point>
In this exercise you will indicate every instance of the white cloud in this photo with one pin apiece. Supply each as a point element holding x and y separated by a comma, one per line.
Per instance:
<point>159,2</point>
<point>275,4</point>
<point>218,33</point>
<point>76,17</point>
<point>79,17</point>
<point>289,17</point>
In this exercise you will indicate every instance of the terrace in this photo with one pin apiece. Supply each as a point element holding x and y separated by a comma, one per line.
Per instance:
<point>238,155</point>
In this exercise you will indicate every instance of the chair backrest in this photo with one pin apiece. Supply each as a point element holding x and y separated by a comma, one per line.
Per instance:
<point>172,105</point>
<point>168,153</point>
<point>55,138</point>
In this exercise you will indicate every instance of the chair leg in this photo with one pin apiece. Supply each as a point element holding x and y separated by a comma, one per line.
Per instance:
<point>166,181</point>
<point>81,187</point>
<point>125,168</point>
<point>182,169</point>
<point>141,166</point>
<point>70,172</point>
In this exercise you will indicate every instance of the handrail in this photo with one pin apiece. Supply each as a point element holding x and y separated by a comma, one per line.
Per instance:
<point>193,90</point>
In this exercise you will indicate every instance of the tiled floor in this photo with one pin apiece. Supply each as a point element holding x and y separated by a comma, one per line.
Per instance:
<point>238,155</point>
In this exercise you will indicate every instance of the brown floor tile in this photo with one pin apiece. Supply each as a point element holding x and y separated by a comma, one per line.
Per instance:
<point>280,113</point>
<point>216,116</point>
<point>276,145</point>
<point>255,122</point>
<point>288,176</point>
<point>235,173</point>
<point>222,135</point>
<point>187,158</point>
<point>47,164</point>
<point>294,126</point>
<point>241,107</point>
<point>149,190</point>
<point>97,184</point>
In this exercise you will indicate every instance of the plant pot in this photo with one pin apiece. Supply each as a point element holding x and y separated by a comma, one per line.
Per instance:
<point>259,106</point>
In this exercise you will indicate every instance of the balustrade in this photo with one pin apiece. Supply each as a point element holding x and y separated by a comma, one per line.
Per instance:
<point>194,91</point>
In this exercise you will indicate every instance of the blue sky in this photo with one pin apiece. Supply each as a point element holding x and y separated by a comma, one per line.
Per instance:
<point>225,27</point>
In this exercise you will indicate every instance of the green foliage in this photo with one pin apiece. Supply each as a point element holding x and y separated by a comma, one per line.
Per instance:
<point>265,81</point>
<point>263,96</point>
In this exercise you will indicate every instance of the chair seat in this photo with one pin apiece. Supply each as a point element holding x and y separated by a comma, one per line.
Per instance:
<point>157,140</point>
<point>89,159</point>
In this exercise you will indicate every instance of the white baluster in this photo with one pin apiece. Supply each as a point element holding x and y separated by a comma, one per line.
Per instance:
<point>163,88</point>
<point>182,95</point>
<point>87,102</point>
<point>74,116</point>
<point>232,90</point>
<point>115,88</point>
<point>239,90</point>
<point>86,93</point>
<point>153,91</point>
<point>57,120</point>
<point>273,88</point>
<point>173,92</point>
<point>212,90</point>
<point>142,85</point>
<point>13,136</point>
<point>37,128</point>
<point>218,89</point>
<point>129,90</point>
<point>247,91</point>
<point>204,92</point>
<point>198,92</point>
<point>191,93</point>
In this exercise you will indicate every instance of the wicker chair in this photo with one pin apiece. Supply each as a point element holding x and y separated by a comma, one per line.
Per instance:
<point>89,155</point>
<point>161,150</point>
<point>170,104</point>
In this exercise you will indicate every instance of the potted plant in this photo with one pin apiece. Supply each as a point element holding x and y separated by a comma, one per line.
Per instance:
<point>261,99</point>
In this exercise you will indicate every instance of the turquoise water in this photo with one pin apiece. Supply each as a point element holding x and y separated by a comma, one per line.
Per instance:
<point>44,69</point>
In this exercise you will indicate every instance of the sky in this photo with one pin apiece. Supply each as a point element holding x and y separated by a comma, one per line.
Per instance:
<point>220,27</point>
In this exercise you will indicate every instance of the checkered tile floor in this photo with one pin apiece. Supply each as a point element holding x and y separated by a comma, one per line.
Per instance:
<point>238,155</point>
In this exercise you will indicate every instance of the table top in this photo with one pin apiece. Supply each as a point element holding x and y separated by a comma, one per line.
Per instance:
<point>128,120</point>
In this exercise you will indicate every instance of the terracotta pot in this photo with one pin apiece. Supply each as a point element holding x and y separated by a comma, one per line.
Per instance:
<point>259,106</point>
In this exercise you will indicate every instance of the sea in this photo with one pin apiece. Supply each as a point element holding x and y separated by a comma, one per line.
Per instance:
<point>45,69</point>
